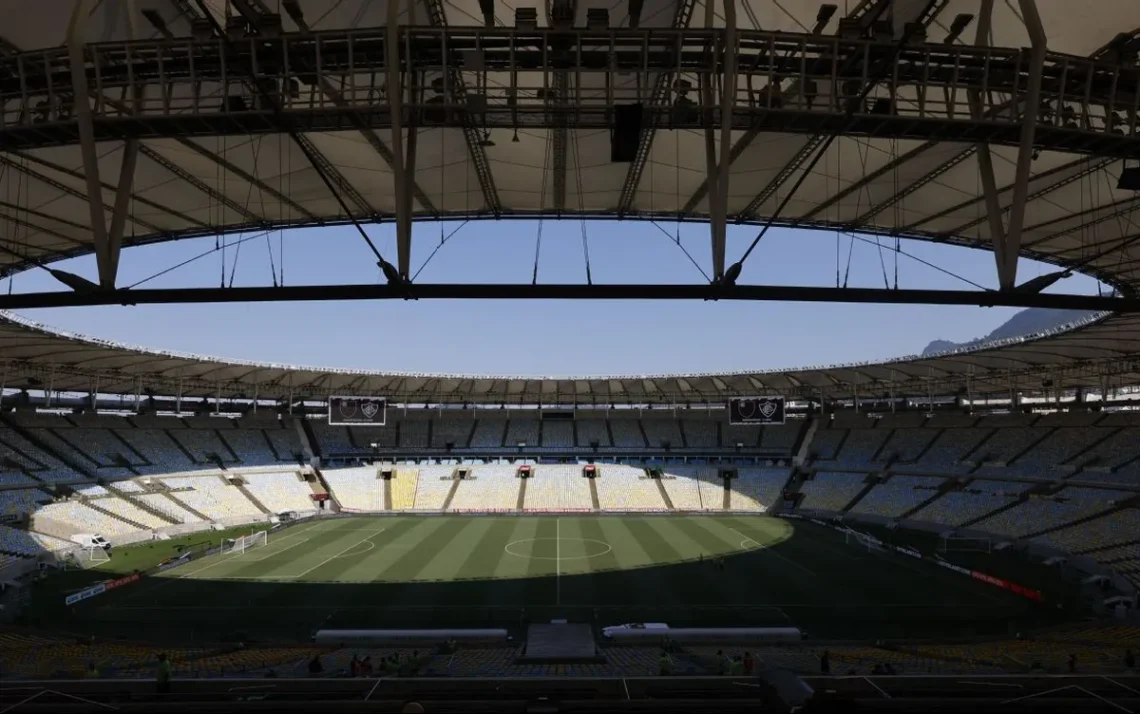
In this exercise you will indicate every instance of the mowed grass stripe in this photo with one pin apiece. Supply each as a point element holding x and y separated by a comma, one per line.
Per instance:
<point>445,566</point>
<point>735,583</point>
<point>509,571</point>
<point>670,588</point>
<point>360,561</point>
<point>593,574</point>
<point>540,586</point>
<point>636,575</point>
<point>406,588</point>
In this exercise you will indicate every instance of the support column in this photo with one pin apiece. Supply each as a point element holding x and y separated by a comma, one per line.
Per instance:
<point>1007,272</point>
<point>728,101</point>
<point>76,32</point>
<point>985,159</point>
<point>395,104</point>
<point>708,100</point>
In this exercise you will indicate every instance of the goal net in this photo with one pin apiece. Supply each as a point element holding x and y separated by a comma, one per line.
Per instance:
<point>247,542</point>
<point>863,540</point>
<point>90,556</point>
<point>961,544</point>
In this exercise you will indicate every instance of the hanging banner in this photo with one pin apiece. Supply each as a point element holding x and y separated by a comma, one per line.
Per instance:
<point>357,411</point>
<point>756,410</point>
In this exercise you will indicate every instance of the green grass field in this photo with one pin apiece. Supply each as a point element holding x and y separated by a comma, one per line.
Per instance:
<point>471,571</point>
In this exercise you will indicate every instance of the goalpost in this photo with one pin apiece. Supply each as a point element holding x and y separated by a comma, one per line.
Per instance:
<point>88,556</point>
<point>854,537</point>
<point>247,542</point>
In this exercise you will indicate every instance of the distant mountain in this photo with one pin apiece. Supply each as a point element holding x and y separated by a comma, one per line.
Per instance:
<point>1026,322</point>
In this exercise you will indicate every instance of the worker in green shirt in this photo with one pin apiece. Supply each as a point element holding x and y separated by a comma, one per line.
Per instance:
<point>162,674</point>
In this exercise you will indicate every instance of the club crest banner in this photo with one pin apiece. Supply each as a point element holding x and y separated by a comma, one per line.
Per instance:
<point>357,411</point>
<point>756,410</point>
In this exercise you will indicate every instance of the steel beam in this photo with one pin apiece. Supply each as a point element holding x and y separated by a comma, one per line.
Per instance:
<point>343,185</point>
<point>122,205</point>
<point>1007,271</point>
<point>192,180</point>
<point>719,225</point>
<point>369,134</point>
<point>246,176</point>
<point>374,291</point>
<point>1088,168</point>
<point>395,102</point>
<point>64,188</point>
<point>84,119</point>
<point>662,93</point>
<point>985,158</point>
<point>806,151</point>
<point>471,136</point>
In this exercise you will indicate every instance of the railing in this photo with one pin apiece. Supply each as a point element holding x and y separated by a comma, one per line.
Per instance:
<point>507,77</point>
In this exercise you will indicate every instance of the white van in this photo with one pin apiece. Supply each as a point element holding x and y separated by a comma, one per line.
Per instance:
<point>658,627</point>
<point>91,540</point>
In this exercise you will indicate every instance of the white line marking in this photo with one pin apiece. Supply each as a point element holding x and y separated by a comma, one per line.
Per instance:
<point>1106,701</point>
<point>766,549</point>
<point>326,560</point>
<point>369,549</point>
<point>370,691</point>
<point>277,552</point>
<point>1040,694</point>
<point>1121,685</point>
<point>992,684</point>
<point>885,695</point>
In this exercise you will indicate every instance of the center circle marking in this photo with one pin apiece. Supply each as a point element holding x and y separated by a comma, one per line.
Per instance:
<point>607,546</point>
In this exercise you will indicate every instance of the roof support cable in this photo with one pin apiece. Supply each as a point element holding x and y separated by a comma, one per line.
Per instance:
<point>442,240</point>
<point>542,203</point>
<point>873,78</point>
<point>390,272</point>
<point>582,202</point>
<point>677,241</point>
<point>903,253</point>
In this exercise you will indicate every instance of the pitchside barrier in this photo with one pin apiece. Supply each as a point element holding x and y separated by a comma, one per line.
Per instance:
<point>352,638</point>
<point>709,635</point>
<point>937,559</point>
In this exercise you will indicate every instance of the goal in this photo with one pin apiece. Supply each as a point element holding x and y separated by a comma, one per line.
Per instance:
<point>964,544</point>
<point>90,556</point>
<point>247,542</point>
<point>863,540</point>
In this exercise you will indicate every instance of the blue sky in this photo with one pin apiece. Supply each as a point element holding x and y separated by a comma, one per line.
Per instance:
<point>542,337</point>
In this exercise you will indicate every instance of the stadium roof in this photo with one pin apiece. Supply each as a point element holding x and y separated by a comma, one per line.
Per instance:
<point>214,151</point>
<point>1077,355</point>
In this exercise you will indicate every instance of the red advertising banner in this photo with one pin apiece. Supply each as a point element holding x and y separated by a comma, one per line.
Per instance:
<point>1006,585</point>
<point>112,584</point>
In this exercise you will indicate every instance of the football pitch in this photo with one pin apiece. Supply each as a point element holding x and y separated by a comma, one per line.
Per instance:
<point>504,571</point>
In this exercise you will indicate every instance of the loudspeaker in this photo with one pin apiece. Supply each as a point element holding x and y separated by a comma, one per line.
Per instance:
<point>627,132</point>
<point>1129,179</point>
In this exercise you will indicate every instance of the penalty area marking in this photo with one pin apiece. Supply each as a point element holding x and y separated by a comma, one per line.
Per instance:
<point>326,560</point>
<point>766,549</point>
<point>371,546</point>
<point>266,556</point>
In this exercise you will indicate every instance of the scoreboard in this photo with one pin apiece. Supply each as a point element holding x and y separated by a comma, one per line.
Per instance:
<point>756,410</point>
<point>357,411</point>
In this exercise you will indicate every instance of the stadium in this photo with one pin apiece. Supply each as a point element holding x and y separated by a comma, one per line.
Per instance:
<point>956,529</point>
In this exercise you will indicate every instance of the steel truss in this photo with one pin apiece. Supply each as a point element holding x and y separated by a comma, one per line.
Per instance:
<point>185,87</point>
<point>491,291</point>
